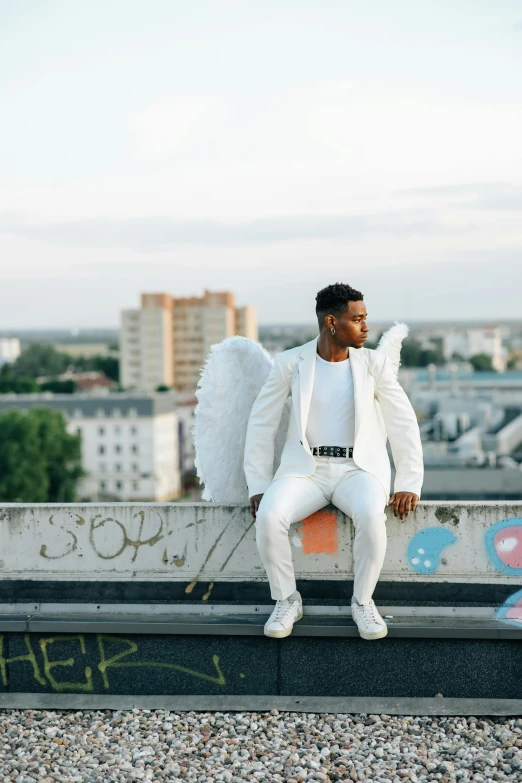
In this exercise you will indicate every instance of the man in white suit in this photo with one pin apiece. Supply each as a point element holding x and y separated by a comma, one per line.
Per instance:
<point>346,403</point>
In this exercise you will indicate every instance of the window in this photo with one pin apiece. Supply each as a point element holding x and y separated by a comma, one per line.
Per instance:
<point>77,413</point>
<point>134,430</point>
<point>102,486</point>
<point>101,430</point>
<point>117,449</point>
<point>134,449</point>
<point>135,467</point>
<point>102,467</point>
<point>101,449</point>
<point>78,430</point>
<point>116,412</point>
<point>100,411</point>
<point>133,412</point>
<point>117,429</point>
<point>119,485</point>
<point>135,484</point>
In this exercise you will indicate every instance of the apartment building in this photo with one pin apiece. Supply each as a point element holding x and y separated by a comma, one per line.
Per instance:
<point>129,442</point>
<point>472,341</point>
<point>167,339</point>
<point>9,349</point>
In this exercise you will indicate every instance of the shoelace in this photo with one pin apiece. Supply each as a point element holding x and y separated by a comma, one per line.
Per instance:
<point>369,612</point>
<point>282,609</point>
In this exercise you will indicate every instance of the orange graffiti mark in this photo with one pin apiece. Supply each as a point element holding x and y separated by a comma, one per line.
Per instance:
<point>319,533</point>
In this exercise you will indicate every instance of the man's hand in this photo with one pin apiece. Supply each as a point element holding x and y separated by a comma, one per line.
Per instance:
<point>403,503</point>
<point>255,500</point>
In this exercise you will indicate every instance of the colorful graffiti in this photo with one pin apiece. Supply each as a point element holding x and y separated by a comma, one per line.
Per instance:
<point>511,610</point>
<point>504,545</point>
<point>318,533</point>
<point>425,548</point>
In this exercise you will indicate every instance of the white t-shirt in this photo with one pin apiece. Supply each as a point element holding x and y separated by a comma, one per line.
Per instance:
<point>331,420</point>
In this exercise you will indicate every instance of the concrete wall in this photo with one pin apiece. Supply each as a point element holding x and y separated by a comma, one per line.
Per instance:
<point>445,542</point>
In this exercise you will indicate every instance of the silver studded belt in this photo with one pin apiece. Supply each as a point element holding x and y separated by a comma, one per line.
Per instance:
<point>331,451</point>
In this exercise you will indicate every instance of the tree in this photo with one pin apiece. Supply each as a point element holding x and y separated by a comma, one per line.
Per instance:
<point>109,365</point>
<point>414,355</point>
<point>40,462</point>
<point>10,383</point>
<point>59,387</point>
<point>40,359</point>
<point>482,362</point>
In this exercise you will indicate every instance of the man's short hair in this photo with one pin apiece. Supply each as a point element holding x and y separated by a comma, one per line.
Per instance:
<point>334,300</point>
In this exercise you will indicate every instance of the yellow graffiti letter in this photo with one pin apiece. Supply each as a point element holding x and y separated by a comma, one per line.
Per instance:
<point>106,662</point>
<point>132,647</point>
<point>29,657</point>
<point>48,665</point>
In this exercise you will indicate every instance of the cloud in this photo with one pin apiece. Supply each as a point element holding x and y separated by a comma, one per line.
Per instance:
<point>480,284</point>
<point>156,233</point>
<point>161,129</point>
<point>478,195</point>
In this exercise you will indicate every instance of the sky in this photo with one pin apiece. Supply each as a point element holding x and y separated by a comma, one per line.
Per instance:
<point>268,148</point>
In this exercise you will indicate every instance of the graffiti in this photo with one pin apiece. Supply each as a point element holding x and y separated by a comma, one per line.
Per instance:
<point>247,530</point>
<point>189,588</point>
<point>504,545</point>
<point>318,533</point>
<point>107,530</point>
<point>74,544</point>
<point>43,673</point>
<point>511,610</point>
<point>206,595</point>
<point>425,548</point>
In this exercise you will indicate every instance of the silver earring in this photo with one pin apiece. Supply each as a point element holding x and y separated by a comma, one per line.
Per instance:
<point>333,331</point>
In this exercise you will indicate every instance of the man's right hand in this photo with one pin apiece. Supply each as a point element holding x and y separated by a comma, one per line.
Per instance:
<point>255,500</point>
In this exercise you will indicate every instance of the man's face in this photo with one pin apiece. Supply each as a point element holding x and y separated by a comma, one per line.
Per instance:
<point>351,329</point>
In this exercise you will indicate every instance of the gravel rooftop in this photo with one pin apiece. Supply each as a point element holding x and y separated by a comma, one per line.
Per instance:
<point>109,746</point>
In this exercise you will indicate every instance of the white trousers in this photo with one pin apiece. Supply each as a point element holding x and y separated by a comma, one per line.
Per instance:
<point>290,499</point>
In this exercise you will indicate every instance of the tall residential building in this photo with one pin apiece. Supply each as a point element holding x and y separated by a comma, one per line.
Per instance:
<point>130,446</point>
<point>167,340</point>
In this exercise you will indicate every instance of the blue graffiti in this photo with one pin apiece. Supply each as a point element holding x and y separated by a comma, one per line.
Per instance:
<point>505,551</point>
<point>425,548</point>
<point>511,610</point>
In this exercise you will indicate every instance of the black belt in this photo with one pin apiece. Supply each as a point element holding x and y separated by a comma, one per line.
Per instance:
<point>331,451</point>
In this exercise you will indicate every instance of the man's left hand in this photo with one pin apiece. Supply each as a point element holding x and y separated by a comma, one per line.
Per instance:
<point>403,503</point>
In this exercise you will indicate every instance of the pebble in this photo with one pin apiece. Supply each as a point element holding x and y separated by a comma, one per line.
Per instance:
<point>116,746</point>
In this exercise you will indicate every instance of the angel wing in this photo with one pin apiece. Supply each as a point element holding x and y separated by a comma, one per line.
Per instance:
<point>231,378</point>
<point>391,342</point>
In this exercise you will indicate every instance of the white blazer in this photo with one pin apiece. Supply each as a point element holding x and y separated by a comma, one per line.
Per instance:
<point>382,411</point>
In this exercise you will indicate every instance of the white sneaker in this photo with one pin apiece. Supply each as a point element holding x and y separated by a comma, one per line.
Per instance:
<point>369,621</point>
<point>282,619</point>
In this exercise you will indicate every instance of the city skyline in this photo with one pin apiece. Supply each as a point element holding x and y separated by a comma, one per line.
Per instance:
<point>268,151</point>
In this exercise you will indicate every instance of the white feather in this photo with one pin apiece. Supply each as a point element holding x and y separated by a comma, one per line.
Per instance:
<point>231,378</point>
<point>391,342</point>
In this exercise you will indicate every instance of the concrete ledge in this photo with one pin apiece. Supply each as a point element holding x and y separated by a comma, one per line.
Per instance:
<point>190,543</point>
<point>317,704</point>
<point>318,621</point>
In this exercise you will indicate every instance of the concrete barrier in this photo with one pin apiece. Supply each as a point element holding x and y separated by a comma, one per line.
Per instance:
<point>190,542</point>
